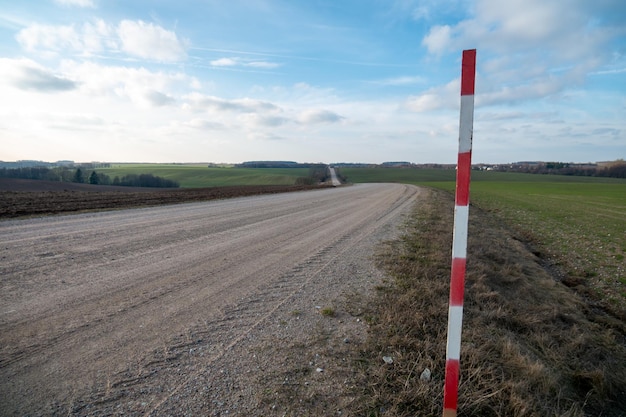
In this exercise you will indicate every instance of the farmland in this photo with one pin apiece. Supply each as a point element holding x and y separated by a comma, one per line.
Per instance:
<point>544,330</point>
<point>577,223</point>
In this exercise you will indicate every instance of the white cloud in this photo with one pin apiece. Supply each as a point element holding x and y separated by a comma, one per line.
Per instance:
<point>438,40</point>
<point>527,49</point>
<point>506,95</point>
<point>302,94</point>
<point>204,124</point>
<point>149,41</point>
<point>426,10</point>
<point>421,12</point>
<point>314,116</point>
<point>50,38</point>
<point>40,80</point>
<point>86,39</point>
<point>224,62</point>
<point>254,119</point>
<point>262,64</point>
<point>136,38</point>
<point>400,81</point>
<point>610,71</point>
<point>565,29</point>
<point>200,102</point>
<point>444,97</point>
<point>240,62</point>
<point>26,74</point>
<point>157,99</point>
<point>77,3</point>
<point>139,85</point>
<point>264,136</point>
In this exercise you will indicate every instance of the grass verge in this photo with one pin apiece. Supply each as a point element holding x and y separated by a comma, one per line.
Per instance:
<point>531,346</point>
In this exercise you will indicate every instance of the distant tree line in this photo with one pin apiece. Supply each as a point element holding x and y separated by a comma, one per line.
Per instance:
<point>275,164</point>
<point>77,175</point>
<point>617,170</point>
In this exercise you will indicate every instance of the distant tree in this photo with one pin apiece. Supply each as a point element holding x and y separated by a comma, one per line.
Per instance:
<point>66,174</point>
<point>93,178</point>
<point>104,179</point>
<point>78,176</point>
<point>617,171</point>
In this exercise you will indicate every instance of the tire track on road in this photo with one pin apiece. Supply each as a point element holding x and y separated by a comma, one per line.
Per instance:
<point>291,284</point>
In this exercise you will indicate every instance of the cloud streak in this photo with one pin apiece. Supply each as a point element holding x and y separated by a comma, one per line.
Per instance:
<point>27,75</point>
<point>241,62</point>
<point>76,3</point>
<point>199,102</point>
<point>40,80</point>
<point>136,38</point>
<point>319,116</point>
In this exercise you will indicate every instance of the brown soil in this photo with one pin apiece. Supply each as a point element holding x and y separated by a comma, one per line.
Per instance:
<point>30,197</point>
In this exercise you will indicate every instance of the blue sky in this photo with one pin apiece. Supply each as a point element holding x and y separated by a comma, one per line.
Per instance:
<point>310,81</point>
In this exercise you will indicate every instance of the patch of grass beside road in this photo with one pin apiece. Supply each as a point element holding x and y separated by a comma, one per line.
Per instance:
<point>531,346</point>
<point>579,227</point>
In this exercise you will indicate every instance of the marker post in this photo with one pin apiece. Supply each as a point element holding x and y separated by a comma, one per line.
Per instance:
<point>459,240</point>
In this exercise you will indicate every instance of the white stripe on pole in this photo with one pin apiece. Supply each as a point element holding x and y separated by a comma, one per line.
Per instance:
<point>455,319</point>
<point>459,245</point>
<point>466,123</point>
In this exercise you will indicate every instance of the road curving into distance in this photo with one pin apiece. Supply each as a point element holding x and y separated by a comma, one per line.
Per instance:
<point>89,303</point>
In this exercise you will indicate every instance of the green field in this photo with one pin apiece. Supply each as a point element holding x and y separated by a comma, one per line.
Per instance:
<point>577,222</point>
<point>196,175</point>
<point>426,176</point>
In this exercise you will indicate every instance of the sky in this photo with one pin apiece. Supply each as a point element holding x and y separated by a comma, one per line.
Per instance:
<point>310,80</point>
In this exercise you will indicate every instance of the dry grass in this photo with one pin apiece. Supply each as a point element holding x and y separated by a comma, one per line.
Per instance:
<point>531,346</point>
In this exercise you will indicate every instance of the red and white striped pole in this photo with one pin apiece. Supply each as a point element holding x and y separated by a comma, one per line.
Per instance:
<point>459,240</point>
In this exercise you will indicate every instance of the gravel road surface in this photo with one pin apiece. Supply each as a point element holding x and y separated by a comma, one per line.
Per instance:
<point>190,309</point>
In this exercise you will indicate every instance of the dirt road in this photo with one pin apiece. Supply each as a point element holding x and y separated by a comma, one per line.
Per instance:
<point>158,310</point>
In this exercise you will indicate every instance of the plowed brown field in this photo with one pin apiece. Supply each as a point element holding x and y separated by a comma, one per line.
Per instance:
<point>30,197</point>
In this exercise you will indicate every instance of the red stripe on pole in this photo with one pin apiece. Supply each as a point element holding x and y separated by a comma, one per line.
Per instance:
<point>452,381</point>
<point>468,71</point>
<point>457,281</point>
<point>463,170</point>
